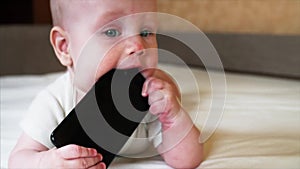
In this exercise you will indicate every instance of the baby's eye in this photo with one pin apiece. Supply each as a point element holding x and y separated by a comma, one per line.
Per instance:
<point>146,33</point>
<point>112,33</point>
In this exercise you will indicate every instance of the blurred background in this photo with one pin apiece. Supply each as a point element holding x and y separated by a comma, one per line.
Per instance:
<point>252,36</point>
<point>231,16</point>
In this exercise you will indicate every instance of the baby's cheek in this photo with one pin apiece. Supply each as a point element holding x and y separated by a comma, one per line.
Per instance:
<point>150,60</point>
<point>106,63</point>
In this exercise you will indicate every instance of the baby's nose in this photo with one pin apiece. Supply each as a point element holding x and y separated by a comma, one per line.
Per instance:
<point>135,46</point>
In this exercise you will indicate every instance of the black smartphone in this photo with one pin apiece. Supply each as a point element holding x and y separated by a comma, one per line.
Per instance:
<point>107,115</point>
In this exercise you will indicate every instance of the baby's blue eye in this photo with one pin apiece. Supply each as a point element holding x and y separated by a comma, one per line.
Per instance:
<point>146,33</point>
<point>112,33</point>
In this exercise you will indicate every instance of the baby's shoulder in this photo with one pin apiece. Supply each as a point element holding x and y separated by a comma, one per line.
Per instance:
<point>57,94</point>
<point>60,84</point>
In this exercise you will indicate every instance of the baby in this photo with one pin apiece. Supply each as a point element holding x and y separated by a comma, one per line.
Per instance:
<point>74,22</point>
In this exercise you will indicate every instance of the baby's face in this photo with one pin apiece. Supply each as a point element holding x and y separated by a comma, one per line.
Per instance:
<point>122,41</point>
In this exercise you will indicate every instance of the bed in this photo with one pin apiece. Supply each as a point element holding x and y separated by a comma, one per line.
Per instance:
<point>259,127</point>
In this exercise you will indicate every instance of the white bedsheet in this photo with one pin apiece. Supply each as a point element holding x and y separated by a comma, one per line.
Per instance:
<point>260,127</point>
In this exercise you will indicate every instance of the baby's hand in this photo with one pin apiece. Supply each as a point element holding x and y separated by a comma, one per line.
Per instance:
<point>73,156</point>
<point>163,97</point>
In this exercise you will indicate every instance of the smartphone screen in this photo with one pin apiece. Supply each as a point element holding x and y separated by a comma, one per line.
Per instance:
<point>107,115</point>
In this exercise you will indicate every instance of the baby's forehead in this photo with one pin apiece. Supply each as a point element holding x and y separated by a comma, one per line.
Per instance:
<point>68,11</point>
<point>63,10</point>
<point>77,4</point>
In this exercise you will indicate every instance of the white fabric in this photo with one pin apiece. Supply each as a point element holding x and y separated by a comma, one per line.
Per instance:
<point>260,126</point>
<point>48,109</point>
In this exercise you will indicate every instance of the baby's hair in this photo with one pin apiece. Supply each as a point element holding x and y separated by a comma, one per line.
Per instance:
<point>56,11</point>
<point>59,9</point>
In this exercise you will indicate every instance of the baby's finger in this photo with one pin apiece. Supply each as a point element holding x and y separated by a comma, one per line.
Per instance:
<point>74,151</point>
<point>155,96</point>
<point>86,162</point>
<point>145,86</point>
<point>158,107</point>
<point>151,84</point>
<point>99,166</point>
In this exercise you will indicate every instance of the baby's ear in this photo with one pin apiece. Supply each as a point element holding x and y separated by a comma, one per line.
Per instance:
<point>60,44</point>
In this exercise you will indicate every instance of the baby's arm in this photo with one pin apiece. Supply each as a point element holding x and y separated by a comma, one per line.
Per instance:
<point>180,147</point>
<point>29,153</point>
